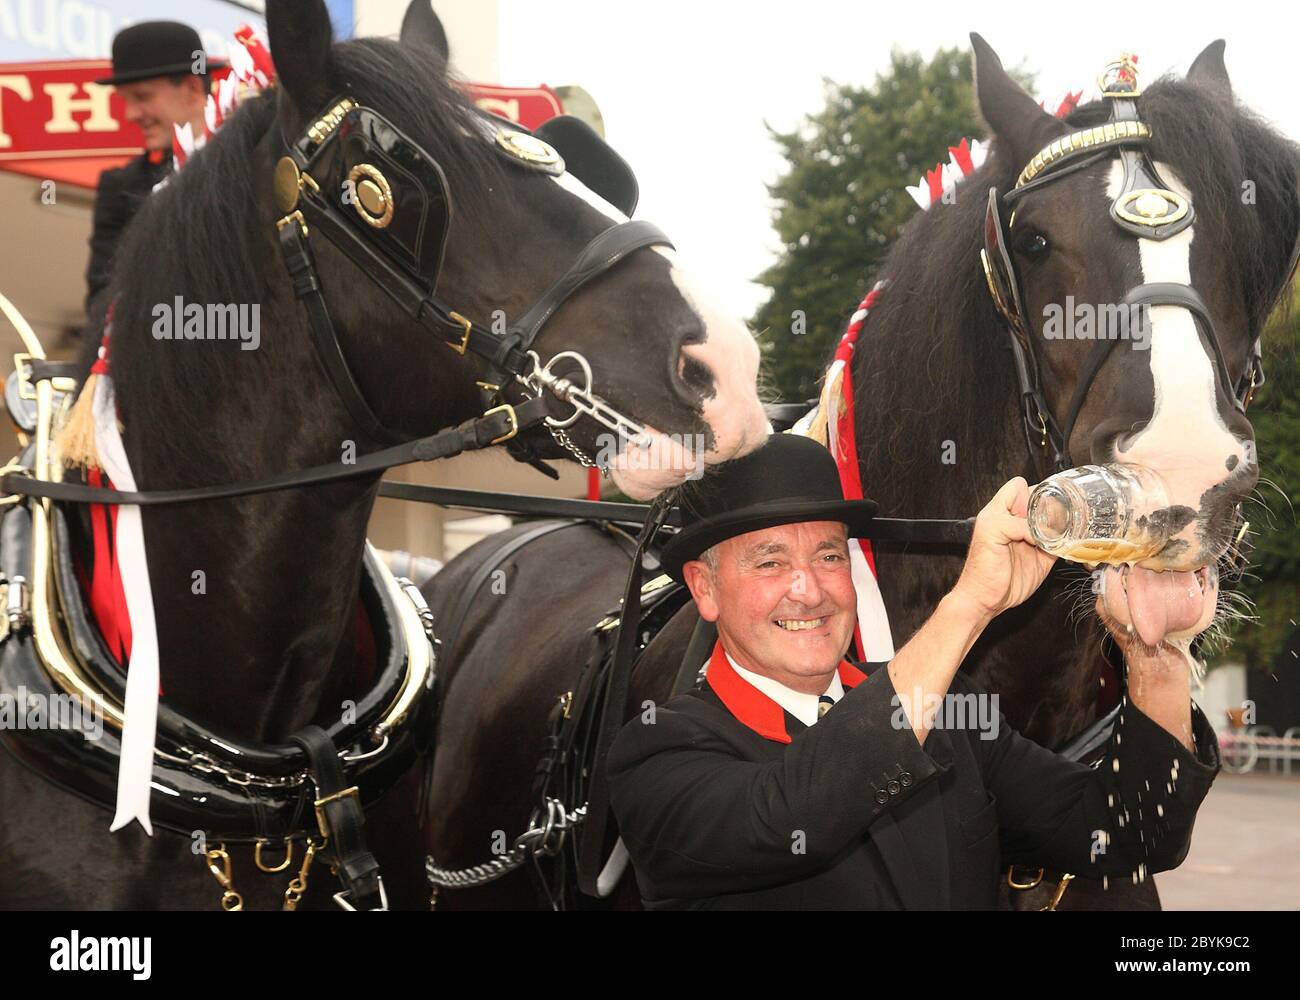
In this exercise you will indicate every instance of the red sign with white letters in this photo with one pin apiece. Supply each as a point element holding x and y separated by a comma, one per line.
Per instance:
<point>56,122</point>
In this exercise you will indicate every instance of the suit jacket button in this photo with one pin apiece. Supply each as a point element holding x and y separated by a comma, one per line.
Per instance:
<point>905,778</point>
<point>882,796</point>
<point>893,787</point>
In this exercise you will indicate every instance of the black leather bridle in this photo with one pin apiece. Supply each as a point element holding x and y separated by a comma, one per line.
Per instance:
<point>383,200</point>
<point>1147,208</point>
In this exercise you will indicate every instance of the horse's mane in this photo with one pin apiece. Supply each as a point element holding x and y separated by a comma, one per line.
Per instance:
<point>207,238</point>
<point>933,364</point>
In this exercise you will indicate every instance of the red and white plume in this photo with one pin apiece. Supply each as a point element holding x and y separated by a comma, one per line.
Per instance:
<point>967,157</point>
<point>963,160</point>
<point>251,71</point>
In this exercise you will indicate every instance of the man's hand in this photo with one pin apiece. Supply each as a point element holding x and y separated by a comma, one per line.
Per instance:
<point>1003,566</point>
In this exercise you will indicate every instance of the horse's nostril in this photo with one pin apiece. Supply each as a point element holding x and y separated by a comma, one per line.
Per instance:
<point>694,377</point>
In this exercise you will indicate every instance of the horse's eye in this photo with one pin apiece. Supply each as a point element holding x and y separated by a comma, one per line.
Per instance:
<point>1032,245</point>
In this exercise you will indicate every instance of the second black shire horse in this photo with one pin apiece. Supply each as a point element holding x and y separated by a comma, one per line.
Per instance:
<point>934,377</point>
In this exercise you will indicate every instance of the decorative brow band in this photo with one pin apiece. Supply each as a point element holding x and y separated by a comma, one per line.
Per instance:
<point>1088,140</point>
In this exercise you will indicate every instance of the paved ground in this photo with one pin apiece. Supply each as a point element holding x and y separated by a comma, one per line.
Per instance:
<point>1245,852</point>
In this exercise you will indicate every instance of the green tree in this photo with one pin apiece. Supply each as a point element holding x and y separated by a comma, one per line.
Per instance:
<point>842,202</point>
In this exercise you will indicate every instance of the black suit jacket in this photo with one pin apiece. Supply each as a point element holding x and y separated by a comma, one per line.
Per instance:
<point>119,195</point>
<point>855,813</point>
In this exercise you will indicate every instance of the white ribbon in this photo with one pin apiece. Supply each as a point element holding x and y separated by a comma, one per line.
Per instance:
<point>135,766</point>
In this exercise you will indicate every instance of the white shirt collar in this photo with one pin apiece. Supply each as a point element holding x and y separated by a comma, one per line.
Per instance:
<point>802,706</point>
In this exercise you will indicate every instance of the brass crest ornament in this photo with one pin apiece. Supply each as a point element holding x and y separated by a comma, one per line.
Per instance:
<point>1120,78</point>
<point>531,150</point>
<point>286,181</point>
<point>1151,207</point>
<point>373,198</point>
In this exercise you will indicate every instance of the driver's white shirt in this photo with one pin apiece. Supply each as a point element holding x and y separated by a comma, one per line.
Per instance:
<point>802,706</point>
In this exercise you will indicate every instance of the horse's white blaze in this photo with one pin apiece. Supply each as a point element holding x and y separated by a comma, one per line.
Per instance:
<point>733,413</point>
<point>731,355</point>
<point>1186,441</point>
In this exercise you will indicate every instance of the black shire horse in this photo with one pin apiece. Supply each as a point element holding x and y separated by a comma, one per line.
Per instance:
<point>933,372</point>
<point>271,645</point>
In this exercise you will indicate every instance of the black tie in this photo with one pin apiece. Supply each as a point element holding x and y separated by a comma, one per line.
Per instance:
<point>824,704</point>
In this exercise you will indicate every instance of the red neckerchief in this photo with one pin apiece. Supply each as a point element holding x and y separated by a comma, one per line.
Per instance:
<point>750,705</point>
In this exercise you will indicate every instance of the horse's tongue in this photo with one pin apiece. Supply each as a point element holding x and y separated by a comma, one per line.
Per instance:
<point>1160,603</point>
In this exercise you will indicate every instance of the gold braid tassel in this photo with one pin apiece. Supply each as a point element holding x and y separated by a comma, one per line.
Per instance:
<point>75,443</point>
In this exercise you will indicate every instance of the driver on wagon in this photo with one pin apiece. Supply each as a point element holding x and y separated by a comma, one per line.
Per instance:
<point>793,779</point>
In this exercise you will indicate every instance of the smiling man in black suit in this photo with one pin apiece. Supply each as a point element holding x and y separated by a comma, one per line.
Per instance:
<point>792,779</point>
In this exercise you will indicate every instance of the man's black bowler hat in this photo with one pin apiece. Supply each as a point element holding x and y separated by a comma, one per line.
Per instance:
<point>155,48</point>
<point>787,480</point>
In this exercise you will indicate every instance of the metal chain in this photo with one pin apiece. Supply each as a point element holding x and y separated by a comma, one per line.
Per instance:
<point>584,403</point>
<point>205,764</point>
<point>562,438</point>
<point>545,838</point>
<point>476,875</point>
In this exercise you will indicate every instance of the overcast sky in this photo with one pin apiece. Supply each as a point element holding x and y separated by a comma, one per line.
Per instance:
<point>685,87</point>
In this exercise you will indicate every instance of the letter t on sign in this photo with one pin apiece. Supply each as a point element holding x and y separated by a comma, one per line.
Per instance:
<point>21,86</point>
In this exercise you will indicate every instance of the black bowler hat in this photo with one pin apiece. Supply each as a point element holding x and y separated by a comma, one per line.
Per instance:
<point>155,48</point>
<point>787,480</point>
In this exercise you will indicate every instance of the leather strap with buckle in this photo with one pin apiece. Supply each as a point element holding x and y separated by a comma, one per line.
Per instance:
<point>341,822</point>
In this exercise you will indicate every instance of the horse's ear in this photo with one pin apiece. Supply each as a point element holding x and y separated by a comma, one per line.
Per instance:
<point>421,28</point>
<point>1020,125</point>
<point>300,36</point>
<point>1208,69</point>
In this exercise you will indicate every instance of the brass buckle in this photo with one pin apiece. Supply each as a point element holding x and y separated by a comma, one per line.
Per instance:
<point>466,326</point>
<point>294,216</point>
<point>1012,883</point>
<point>321,822</point>
<point>514,422</point>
